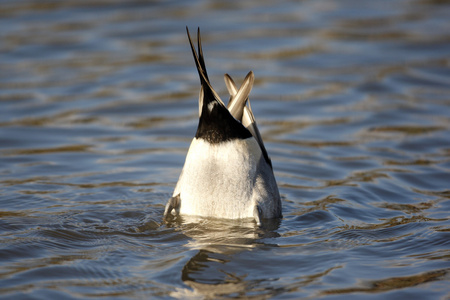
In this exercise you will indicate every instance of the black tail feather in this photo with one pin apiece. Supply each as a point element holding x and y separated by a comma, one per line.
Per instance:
<point>199,61</point>
<point>209,93</point>
<point>200,53</point>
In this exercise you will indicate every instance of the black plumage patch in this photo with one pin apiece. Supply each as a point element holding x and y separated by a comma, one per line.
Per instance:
<point>218,125</point>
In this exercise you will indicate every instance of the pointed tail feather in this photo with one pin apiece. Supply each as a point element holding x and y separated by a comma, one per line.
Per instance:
<point>231,86</point>
<point>198,64</point>
<point>200,53</point>
<point>208,92</point>
<point>248,120</point>
<point>239,98</point>
<point>237,104</point>
<point>200,101</point>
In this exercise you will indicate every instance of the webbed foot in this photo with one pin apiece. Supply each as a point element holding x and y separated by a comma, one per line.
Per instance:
<point>257,214</point>
<point>173,203</point>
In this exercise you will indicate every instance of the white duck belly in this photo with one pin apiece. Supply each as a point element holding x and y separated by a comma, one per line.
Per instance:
<point>218,180</point>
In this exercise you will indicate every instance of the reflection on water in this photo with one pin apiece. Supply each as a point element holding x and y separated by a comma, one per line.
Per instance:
<point>214,269</point>
<point>98,107</point>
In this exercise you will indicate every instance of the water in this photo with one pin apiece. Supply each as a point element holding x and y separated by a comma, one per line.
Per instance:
<point>98,107</point>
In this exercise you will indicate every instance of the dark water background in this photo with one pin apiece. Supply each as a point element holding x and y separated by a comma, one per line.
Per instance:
<point>99,104</point>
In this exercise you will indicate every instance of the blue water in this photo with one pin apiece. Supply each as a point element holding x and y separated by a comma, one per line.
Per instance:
<point>99,105</point>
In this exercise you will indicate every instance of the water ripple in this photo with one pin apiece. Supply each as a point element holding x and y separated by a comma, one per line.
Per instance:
<point>99,105</point>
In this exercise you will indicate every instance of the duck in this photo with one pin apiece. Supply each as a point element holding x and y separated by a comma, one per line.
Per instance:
<point>227,173</point>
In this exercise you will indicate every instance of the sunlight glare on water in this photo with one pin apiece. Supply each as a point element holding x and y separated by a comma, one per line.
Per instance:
<point>98,107</point>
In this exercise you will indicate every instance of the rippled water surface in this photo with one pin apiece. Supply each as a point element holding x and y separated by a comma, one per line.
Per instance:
<point>99,104</point>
